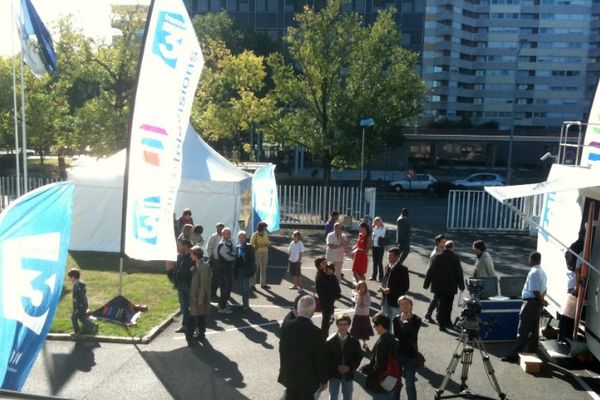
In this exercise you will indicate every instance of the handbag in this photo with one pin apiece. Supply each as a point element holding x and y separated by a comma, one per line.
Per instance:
<point>570,306</point>
<point>390,377</point>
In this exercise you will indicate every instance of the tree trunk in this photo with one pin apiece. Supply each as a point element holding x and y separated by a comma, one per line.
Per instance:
<point>326,187</point>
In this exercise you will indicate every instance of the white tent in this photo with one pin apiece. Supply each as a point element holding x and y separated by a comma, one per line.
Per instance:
<point>213,188</point>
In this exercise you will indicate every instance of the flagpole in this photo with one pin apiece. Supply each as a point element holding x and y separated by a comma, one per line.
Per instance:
<point>127,148</point>
<point>14,78</point>
<point>23,128</point>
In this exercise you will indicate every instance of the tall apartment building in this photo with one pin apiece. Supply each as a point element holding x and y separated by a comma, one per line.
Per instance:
<point>534,63</point>
<point>527,61</point>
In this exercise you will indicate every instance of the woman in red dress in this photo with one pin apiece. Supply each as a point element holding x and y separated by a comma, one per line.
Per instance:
<point>361,252</point>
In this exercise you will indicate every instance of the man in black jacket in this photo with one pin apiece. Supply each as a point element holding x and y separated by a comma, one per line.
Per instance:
<point>395,283</point>
<point>445,275</point>
<point>343,358</point>
<point>302,362</point>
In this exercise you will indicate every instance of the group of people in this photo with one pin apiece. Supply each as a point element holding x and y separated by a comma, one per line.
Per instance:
<point>311,363</point>
<point>332,361</point>
<point>200,281</point>
<point>321,360</point>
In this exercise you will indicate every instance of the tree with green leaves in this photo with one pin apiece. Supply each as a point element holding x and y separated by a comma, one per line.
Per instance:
<point>99,80</point>
<point>231,105</point>
<point>343,71</point>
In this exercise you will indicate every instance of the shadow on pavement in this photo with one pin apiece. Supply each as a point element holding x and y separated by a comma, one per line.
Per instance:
<point>64,366</point>
<point>196,373</point>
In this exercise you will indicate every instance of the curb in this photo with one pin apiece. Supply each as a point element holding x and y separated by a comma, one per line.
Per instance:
<point>153,333</point>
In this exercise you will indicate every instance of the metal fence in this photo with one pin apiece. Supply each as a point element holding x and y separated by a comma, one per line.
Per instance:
<point>313,204</point>
<point>8,187</point>
<point>476,210</point>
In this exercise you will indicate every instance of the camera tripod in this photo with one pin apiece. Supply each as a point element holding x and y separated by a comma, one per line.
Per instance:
<point>469,340</point>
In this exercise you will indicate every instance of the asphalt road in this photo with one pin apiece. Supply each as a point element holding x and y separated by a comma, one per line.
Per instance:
<point>241,361</point>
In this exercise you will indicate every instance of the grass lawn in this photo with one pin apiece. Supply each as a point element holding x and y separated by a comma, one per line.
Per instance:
<point>143,283</point>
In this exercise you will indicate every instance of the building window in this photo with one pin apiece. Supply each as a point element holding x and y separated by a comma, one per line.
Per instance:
<point>408,6</point>
<point>215,5</point>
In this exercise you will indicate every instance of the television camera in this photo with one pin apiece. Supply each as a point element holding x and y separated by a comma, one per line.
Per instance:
<point>469,320</point>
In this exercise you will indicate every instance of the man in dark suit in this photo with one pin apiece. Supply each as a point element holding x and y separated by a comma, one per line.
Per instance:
<point>395,283</point>
<point>302,356</point>
<point>445,275</point>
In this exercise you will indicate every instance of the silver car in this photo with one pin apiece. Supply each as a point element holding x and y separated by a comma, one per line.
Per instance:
<point>479,180</point>
<point>419,182</point>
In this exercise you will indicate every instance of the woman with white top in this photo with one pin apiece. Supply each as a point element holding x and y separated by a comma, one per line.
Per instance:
<point>379,231</point>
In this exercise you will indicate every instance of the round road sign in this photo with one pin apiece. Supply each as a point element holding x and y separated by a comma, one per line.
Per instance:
<point>410,174</point>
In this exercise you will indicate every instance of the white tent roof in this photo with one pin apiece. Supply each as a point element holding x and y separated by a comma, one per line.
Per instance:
<point>200,163</point>
<point>210,186</point>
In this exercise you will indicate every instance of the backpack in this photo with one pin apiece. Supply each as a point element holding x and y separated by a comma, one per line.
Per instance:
<point>390,378</point>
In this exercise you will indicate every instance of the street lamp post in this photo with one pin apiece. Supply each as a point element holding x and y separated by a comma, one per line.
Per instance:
<point>512,125</point>
<point>365,123</point>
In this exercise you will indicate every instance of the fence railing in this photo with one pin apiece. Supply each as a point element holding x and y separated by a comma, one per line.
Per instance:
<point>8,187</point>
<point>476,210</point>
<point>313,204</point>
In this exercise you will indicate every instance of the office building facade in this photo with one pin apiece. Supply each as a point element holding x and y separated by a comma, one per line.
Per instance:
<point>531,63</point>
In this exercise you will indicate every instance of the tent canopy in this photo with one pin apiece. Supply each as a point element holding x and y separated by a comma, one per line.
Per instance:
<point>213,188</point>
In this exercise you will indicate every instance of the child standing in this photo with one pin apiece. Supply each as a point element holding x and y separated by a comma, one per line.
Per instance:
<point>80,305</point>
<point>361,324</point>
<point>295,251</point>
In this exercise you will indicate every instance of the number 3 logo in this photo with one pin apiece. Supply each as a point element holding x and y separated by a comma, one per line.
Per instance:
<point>29,282</point>
<point>168,37</point>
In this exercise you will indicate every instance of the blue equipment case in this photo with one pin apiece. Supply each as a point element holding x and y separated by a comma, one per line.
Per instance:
<point>500,316</point>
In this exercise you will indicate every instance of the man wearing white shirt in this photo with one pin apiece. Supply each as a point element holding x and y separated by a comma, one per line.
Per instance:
<point>534,302</point>
<point>337,242</point>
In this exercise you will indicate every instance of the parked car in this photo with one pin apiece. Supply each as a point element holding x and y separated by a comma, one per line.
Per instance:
<point>419,182</point>
<point>479,180</point>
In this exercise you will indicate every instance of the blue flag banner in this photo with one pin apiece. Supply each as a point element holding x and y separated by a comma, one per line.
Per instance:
<point>265,201</point>
<point>34,239</point>
<point>36,43</point>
